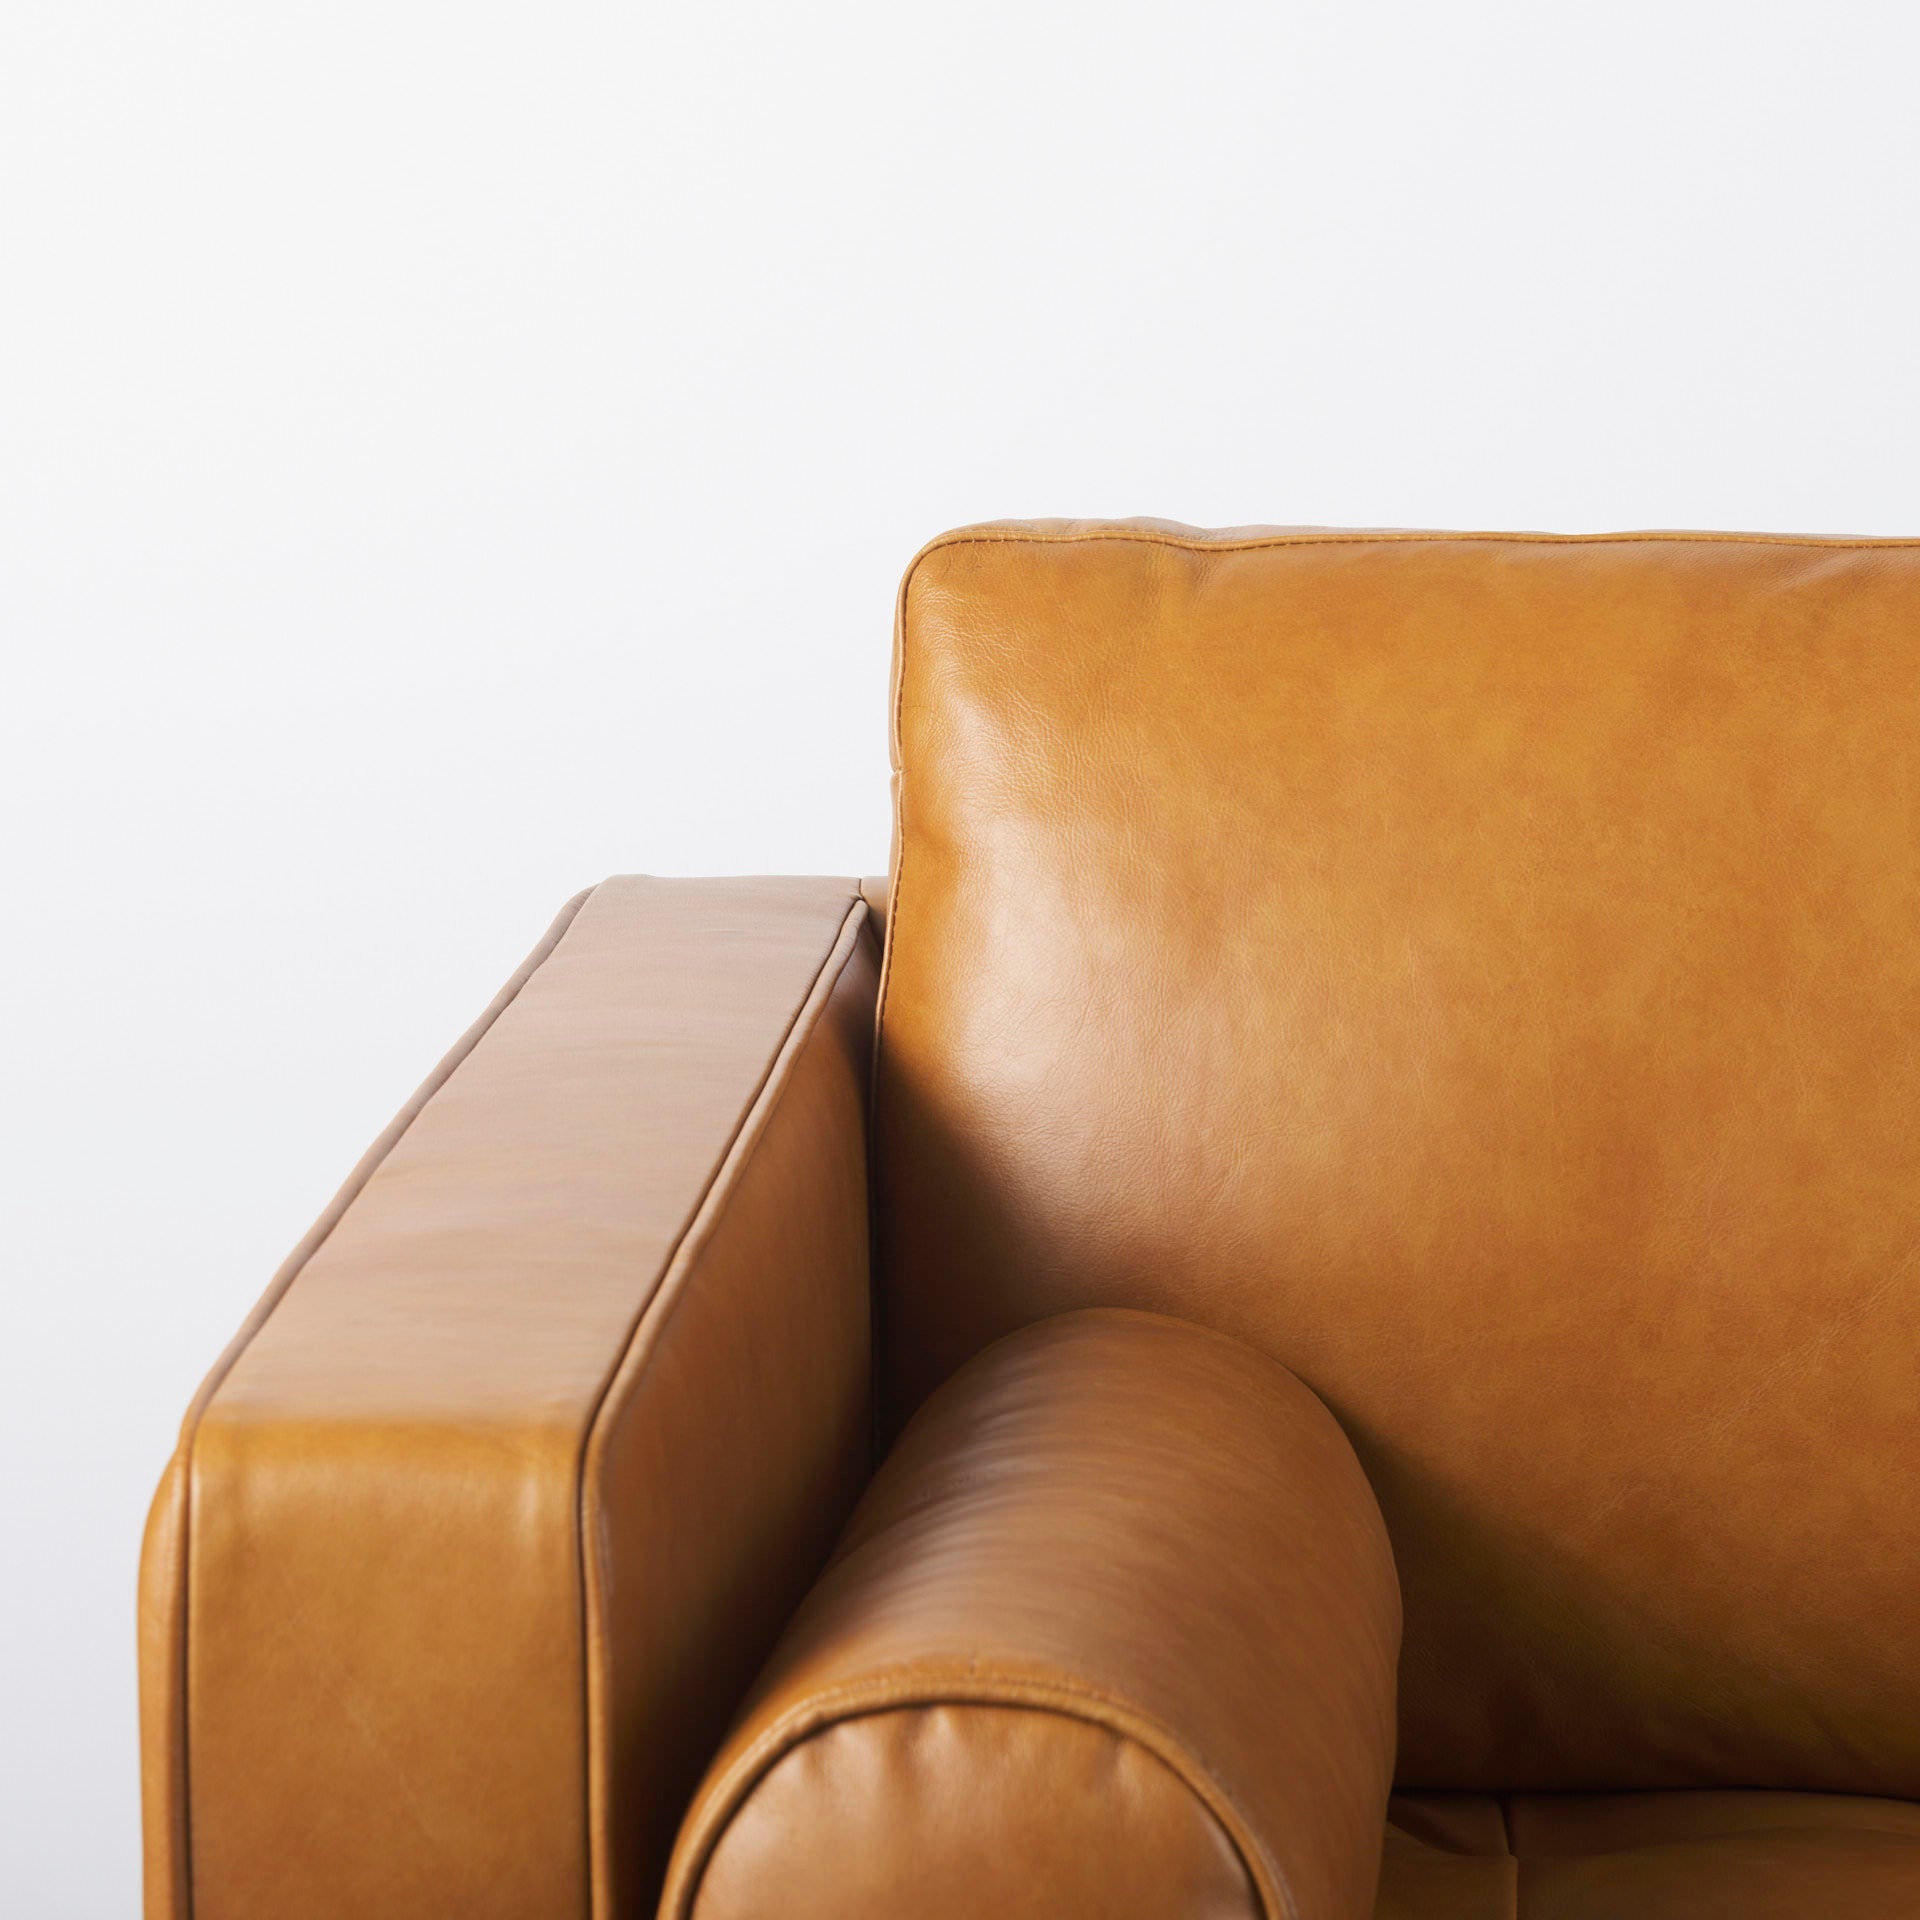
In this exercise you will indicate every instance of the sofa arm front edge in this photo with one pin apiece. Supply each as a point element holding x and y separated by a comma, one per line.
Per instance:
<point>483,1522</point>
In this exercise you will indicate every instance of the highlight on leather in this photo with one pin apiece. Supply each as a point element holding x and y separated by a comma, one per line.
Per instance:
<point>1480,971</point>
<point>1112,1633</point>
<point>478,1534</point>
<point>1394,1084</point>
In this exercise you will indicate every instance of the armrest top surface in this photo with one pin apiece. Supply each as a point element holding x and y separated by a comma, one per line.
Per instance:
<point>490,1266</point>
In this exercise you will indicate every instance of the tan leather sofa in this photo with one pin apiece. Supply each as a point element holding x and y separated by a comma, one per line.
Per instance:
<point>1352,1347</point>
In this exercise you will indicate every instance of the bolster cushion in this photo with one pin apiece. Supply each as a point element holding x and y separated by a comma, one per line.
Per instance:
<point>1113,1632</point>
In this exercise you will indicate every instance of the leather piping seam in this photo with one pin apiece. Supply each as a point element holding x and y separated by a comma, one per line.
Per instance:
<point>870,1159</point>
<point>1505,1804</point>
<point>896,886</point>
<point>1089,1705</point>
<point>1411,538</point>
<point>277,1289</point>
<point>1506,1830</point>
<point>629,1366</point>
<point>1017,536</point>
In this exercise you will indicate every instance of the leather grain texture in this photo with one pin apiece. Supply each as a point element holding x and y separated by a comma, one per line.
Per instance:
<point>1112,1633</point>
<point>479,1532</point>
<point>1480,971</point>
<point>1650,1856</point>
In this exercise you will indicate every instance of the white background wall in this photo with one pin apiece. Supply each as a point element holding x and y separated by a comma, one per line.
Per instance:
<point>450,453</point>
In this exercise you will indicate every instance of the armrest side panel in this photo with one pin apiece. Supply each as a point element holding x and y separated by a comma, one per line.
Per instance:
<point>387,1667</point>
<point>733,1443</point>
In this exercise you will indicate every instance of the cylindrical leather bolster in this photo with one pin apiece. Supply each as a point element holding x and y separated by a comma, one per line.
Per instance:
<point>1113,1632</point>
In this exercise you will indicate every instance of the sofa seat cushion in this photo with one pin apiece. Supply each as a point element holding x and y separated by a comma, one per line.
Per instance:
<point>1650,1856</point>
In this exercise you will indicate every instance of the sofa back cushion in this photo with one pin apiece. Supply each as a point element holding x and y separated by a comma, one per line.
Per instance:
<point>1483,973</point>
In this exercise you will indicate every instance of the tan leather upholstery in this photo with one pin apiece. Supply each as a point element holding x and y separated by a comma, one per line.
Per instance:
<point>1651,1856</point>
<point>1482,973</point>
<point>1465,989</point>
<point>1111,1634</point>
<point>477,1534</point>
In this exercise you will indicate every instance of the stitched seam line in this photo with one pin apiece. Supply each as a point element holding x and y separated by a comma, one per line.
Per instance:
<point>1014,536</point>
<point>1505,1803</point>
<point>296,1264</point>
<point>896,894</point>
<point>654,1311</point>
<point>1070,1699</point>
<point>1253,542</point>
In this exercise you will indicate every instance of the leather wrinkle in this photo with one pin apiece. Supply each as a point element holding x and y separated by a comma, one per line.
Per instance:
<point>1648,1666</point>
<point>974,1576</point>
<point>1665,1855</point>
<point>935,700</point>
<point>1016,1692</point>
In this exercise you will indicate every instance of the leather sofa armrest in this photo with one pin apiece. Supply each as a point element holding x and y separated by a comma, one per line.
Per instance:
<point>480,1529</point>
<point>1113,1632</point>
